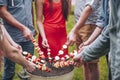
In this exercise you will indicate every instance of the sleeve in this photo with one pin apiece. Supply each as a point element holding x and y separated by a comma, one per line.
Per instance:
<point>100,21</point>
<point>3,2</point>
<point>93,3</point>
<point>104,14</point>
<point>98,48</point>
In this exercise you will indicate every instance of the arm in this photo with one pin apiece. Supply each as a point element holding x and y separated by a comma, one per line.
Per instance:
<point>39,14</point>
<point>69,6</point>
<point>84,16</point>
<point>93,36</point>
<point>96,49</point>
<point>33,12</point>
<point>71,38</point>
<point>11,20</point>
<point>12,52</point>
<point>9,38</point>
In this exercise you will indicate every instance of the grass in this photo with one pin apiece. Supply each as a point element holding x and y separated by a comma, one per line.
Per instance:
<point>78,72</point>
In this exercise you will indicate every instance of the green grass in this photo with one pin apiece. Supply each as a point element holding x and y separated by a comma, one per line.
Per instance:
<point>78,72</point>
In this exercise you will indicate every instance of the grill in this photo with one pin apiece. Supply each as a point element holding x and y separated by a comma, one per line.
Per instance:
<point>65,73</point>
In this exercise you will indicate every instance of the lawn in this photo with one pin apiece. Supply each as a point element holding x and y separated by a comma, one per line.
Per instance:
<point>78,72</point>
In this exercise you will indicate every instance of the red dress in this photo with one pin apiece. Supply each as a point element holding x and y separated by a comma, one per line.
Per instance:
<point>55,28</point>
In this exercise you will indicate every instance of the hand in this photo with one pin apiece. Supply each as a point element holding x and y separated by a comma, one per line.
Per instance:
<point>16,46</point>
<point>30,67</point>
<point>71,38</point>
<point>27,33</point>
<point>45,43</point>
<point>78,61</point>
<point>82,46</point>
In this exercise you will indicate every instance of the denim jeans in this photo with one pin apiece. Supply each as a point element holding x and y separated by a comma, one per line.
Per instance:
<point>9,66</point>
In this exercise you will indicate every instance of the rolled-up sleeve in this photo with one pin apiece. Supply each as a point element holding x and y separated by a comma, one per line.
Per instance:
<point>98,48</point>
<point>93,3</point>
<point>100,22</point>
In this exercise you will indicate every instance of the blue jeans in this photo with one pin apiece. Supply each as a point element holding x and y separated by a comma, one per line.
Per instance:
<point>9,66</point>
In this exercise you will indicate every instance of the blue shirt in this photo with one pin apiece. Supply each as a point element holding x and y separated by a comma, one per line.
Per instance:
<point>109,39</point>
<point>21,11</point>
<point>105,12</point>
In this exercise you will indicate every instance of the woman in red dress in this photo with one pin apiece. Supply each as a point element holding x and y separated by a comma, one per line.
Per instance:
<point>51,22</point>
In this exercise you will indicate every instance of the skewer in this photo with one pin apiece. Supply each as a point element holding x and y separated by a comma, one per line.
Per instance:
<point>56,62</point>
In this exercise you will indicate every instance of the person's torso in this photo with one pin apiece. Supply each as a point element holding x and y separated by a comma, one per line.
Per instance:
<point>115,38</point>
<point>80,6</point>
<point>53,16</point>
<point>21,11</point>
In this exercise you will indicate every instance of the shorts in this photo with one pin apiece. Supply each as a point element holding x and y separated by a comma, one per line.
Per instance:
<point>83,34</point>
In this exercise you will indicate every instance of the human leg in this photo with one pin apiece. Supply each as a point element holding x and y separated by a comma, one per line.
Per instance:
<point>9,69</point>
<point>27,46</point>
<point>91,71</point>
<point>109,71</point>
<point>82,36</point>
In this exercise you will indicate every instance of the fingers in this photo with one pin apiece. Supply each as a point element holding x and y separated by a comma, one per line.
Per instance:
<point>77,57</point>
<point>45,44</point>
<point>27,33</point>
<point>70,41</point>
<point>80,49</point>
<point>78,60</point>
<point>31,67</point>
<point>81,45</point>
<point>29,36</point>
<point>78,64</point>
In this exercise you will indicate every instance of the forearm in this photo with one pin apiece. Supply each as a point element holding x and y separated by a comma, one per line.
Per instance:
<point>97,49</point>
<point>7,35</point>
<point>17,58</point>
<point>94,35</point>
<point>69,6</point>
<point>41,29</point>
<point>84,16</point>
<point>39,13</point>
<point>10,19</point>
<point>13,53</point>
